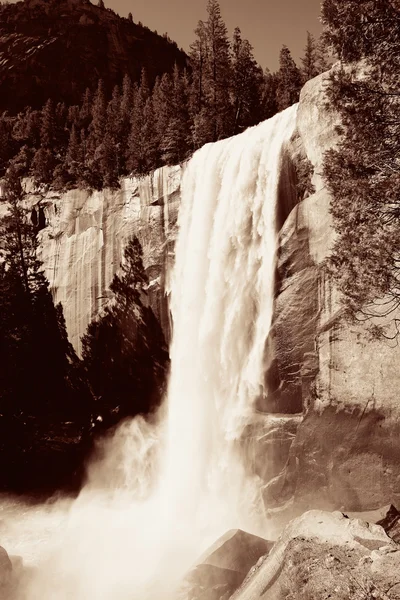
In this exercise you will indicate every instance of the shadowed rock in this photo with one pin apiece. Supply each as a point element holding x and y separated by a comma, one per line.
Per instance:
<point>224,566</point>
<point>391,523</point>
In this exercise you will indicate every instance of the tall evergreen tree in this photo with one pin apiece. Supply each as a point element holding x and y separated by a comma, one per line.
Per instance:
<point>247,80</point>
<point>176,138</point>
<point>124,349</point>
<point>269,104</point>
<point>48,125</point>
<point>39,360</point>
<point>218,72</point>
<point>135,157</point>
<point>198,57</point>
<point>289,80</point>
<point>212,73</point>
<point>310,67</point>
<point>363,174</point>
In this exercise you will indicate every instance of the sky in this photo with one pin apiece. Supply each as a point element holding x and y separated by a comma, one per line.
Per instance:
<point>267,24</point>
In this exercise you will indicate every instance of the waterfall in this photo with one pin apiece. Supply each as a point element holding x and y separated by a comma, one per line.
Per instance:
<point>165,491</point>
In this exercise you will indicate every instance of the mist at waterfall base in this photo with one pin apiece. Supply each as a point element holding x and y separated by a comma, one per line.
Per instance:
<point>162,492</point>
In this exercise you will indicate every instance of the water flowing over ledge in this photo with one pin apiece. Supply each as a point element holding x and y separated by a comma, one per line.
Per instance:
<point>164,492</point>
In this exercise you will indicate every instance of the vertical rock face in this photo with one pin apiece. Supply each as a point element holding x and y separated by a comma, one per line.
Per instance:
<point>85,234</point>
<point>346,450</point>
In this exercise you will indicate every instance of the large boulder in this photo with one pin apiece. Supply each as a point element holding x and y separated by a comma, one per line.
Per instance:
<point>223,567</point>
<point>326,555</point>
<point>6,574</point>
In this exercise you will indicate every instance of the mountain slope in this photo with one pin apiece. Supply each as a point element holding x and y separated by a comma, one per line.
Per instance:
<point>57,48</point>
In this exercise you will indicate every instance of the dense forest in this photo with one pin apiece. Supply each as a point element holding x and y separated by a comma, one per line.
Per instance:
<point>57,48</point>
<point>143,126</point>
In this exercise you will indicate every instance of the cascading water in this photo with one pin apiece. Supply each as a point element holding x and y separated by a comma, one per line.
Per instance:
<point>165,492</point>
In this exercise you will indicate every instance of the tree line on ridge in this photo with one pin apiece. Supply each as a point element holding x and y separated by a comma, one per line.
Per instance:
<point>141,128</point>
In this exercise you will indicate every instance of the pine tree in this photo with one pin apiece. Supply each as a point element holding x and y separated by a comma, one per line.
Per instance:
<point>163,102</point>
<point>126,110</point>
<point>212,74</point>
<point>198,57</point>
<point>176,137</point>
<point>246,84</point>
<point>7,144</point>
<point>97,127</point>
<point>97,133</point>
<point>310,60</point>
<point>218,72</point>
<point>85,114</point>
<point>124,349</point>
<point>135,157</point>
<point>35,348</point>
<point>363,174</point>
<point>269,104</point>
<point>74,160</point>
<point>43,165</point>
<point>289,80</point>
<point>48,126</point>
<point>44,161</point>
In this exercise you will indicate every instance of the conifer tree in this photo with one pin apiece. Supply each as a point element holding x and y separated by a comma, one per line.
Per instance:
<point>289,80</point>
<point>176,138</point>
<point>74,160</point>
<point>126,110</point>
<point>212,73</point>
<point>48,126</point>
<point>163,102</point>
<point>269,104</point>
<point>97,128</point>
<point>310,60</point>
<point>218,72</point>
<point>198,57</point>
<point>35,349</point>
<point>124,349</point>
<point>363,174</point>
<point>85,114</point>
<point>247,80</point>
<point>135,158</point>
<point>7,144</point>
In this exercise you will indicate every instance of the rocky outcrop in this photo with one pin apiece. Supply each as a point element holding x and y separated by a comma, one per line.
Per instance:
<point>84,236</point>
<point>224,566</point>
<point>326,555</point>
<point>346,451</point>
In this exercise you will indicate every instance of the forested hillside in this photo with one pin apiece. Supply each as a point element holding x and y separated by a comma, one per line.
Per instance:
<point>142,125</point>
<point>57,48</point>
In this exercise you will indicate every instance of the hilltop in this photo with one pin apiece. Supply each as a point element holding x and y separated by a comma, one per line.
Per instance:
<point>57,48</point>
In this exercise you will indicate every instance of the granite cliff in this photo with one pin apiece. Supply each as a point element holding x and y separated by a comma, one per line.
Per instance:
<point>325,431</point>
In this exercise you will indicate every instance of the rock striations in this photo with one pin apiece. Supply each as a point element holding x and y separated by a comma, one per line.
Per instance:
<point>84,236</point>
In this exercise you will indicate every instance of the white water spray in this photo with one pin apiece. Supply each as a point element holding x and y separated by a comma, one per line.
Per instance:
<point>118,541</point>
